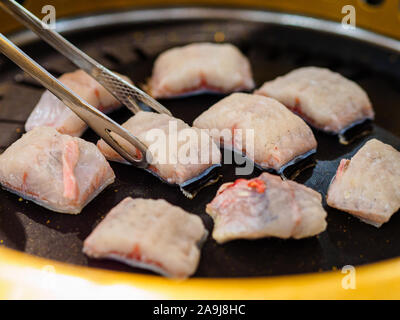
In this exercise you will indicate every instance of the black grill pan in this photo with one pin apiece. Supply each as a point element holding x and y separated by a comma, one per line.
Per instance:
<point>273,50</point>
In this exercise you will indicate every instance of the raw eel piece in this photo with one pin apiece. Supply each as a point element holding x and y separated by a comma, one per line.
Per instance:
<point>51,112</point>
<point>149,234</point>
<point>58,172</point>
<point>200,67</point>
<point>180,153</point>
<point>266,206</point>
<point>325,99</point>
<point>280,137</point>
<point>368,185</point>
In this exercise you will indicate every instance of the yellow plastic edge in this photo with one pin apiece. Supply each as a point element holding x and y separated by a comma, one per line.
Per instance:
<point>23,276</point>
<point>384,19</point>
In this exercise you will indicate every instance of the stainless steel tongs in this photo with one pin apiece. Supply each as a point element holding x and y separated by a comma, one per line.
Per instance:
<point>127,94</point>
<point>95,119</point>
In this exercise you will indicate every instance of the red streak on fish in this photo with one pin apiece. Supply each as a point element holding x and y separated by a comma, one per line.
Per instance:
<point>136,254</point>
<point>237,181</point>
<point>230,185</point>
<point>257,184</point>
<point>153,168</point>
<point>342,167</point>
<point>24,178</point>
<point>70,159</point>
<point>297,107</point>
<point>97,93</point>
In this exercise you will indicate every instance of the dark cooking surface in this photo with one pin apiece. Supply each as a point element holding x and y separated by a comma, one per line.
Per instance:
<point>272,51</point>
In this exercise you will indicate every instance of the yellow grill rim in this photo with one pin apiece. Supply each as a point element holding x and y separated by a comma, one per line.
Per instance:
<point>383,19</point>
<point>23,276</point>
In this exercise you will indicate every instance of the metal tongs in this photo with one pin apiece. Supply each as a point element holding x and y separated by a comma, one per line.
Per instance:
<point>127,94</point>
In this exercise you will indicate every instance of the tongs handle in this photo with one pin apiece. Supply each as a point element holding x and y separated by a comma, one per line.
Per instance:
<point>126,93</point>
<point>95,119</point>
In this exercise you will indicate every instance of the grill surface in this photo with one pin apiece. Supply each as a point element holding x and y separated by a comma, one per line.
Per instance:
<point>272,51</point>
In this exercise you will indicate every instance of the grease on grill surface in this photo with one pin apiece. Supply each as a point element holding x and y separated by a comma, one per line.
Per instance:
<point>272,51</point>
